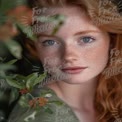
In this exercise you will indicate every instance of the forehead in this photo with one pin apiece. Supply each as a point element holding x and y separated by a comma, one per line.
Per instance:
<point>65,10</point>
<point>69,12</point>
<point>75,19</point>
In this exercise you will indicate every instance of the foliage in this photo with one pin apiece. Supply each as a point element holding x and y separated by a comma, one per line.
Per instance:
<point>11,25</point>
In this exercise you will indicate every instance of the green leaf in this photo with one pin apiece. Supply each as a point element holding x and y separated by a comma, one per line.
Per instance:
<point>19,77</point>
<point>13,95</point>
<point>40,78</point>
<point>30,80</point>
<point>27,30</point>
<point>56,102</point>
<point>6,67</point>
<point>59,21</point>
<point>23,101</point>
<point>14,83</point>
<point>12,61</point>
<point>15,48</point>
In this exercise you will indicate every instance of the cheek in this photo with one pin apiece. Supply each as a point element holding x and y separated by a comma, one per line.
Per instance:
<point>50,54</point>
<point>50,59</point>
<point>98,56</point>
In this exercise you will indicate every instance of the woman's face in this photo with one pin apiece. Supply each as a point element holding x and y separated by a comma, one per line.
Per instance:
<point>78,52</point>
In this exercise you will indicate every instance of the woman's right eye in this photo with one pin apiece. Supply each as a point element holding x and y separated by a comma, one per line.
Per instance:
<point>49,42</point>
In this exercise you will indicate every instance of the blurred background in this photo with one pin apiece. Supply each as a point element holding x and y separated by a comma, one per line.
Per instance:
<point>15,18</point>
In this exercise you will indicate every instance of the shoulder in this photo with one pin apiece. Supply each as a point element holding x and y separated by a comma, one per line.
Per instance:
<point>47,108</point>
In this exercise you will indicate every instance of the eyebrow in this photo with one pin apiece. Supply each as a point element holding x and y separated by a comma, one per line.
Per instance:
<point>86,31</point>
<point>46,35</point>
<point>78,33</point>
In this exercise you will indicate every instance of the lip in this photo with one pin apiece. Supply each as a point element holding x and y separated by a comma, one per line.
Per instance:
<point>73,70</point>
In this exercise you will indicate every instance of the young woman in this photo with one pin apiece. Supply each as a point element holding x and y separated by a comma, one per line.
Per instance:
<point>85,56</point>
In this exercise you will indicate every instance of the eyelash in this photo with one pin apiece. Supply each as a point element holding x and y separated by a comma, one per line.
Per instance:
<point>87,37</point>
<point>46,41</point>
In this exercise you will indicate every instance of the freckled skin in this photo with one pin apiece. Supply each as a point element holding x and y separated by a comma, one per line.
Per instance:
<point>69,51</point>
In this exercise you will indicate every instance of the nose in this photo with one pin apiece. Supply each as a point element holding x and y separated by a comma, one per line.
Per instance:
<point>70,53</point>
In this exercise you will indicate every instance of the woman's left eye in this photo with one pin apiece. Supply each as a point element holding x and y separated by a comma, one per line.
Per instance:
<point>49,42</point>
<point>87,39</point>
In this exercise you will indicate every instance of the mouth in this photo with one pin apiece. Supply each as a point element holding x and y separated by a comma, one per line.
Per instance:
<point>73,70</point>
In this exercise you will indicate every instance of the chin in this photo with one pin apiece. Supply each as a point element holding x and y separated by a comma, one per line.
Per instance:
<point>75,80</point>
<point>80,79</point>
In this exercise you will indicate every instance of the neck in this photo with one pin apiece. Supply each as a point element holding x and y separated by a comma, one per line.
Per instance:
<point>78,96</point>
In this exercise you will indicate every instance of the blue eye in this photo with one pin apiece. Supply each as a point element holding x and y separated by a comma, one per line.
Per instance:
<point>87,39</point>
<point>48,42</point>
